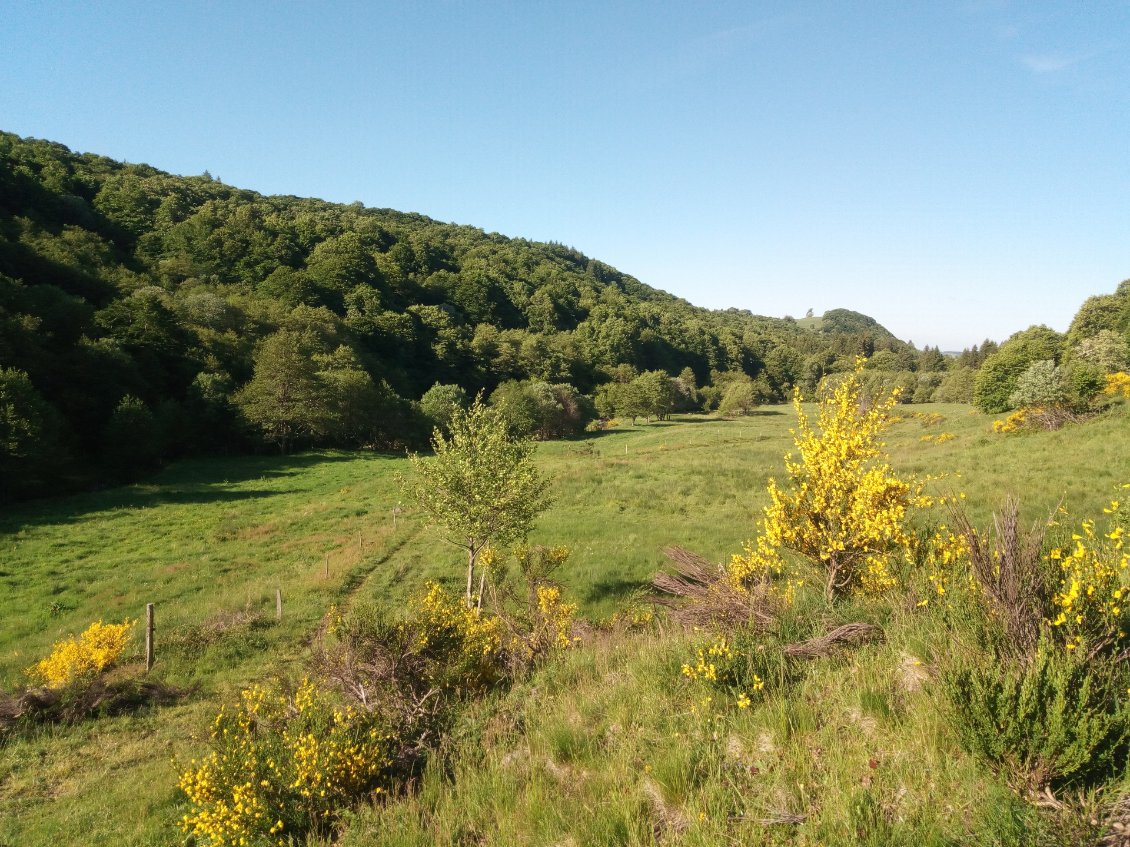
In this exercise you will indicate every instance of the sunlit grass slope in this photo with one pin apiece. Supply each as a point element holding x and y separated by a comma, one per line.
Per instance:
<point>210,541</point>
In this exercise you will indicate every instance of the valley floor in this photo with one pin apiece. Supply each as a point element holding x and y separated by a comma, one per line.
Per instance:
<point>610,744</point>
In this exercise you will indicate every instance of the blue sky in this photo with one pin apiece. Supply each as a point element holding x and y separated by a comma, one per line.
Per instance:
<point>956,170</point>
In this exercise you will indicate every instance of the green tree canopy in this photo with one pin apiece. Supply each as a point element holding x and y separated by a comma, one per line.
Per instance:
<point>481,487</point>
<point>440,402</point>
<point>285,399</point>
<point>996,381</point>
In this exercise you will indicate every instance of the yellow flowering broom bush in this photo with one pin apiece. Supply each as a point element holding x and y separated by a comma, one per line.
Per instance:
<point>283,766</point>
<point>537,619</point>
<point>409,668</point>
<point>742,666</point>
<point>1117,385</point>
<point>1091,601</point>
<point>460,647</point>
<point>842,508</point>
<point>81,658</point>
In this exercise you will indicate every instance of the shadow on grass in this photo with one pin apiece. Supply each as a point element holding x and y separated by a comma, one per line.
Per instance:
<point>644,426</point>
<point>193,481</point>
<point>614,589</point>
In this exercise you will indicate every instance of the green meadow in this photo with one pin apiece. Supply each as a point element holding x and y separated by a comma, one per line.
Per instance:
<point>606,745</point>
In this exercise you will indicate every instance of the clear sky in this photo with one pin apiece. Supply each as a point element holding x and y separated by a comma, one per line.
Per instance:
<point>955,170</point>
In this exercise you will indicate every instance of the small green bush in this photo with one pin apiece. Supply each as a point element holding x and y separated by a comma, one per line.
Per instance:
<point>1057,720</point>
<point>744,665</point>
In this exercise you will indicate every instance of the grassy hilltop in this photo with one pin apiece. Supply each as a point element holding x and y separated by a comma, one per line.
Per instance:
<point>608,744</point>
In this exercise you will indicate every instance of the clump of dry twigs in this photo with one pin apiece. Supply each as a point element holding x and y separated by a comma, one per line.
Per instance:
<point>846,635</point>
<point>699,593</point>
<point>1007,564</point>
<point>103,695</point>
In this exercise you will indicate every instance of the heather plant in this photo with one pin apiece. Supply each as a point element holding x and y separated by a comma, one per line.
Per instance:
<point>1056,719</point>
<point>283,766</point>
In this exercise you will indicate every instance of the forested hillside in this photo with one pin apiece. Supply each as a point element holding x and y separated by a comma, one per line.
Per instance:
<point>146,316</point>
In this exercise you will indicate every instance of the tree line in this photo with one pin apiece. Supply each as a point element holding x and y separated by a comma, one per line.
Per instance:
<point>146,316</point>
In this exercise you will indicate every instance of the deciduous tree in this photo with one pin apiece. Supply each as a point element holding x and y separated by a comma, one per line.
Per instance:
<point>285,398</point>
<point>481,487</point>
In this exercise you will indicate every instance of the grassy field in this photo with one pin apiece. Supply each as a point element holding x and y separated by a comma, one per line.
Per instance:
<point>209,542</point>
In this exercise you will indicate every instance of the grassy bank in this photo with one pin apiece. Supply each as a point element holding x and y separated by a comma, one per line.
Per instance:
<point>209,542</point>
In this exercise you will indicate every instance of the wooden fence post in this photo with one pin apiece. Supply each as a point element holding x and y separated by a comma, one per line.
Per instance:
<point>148,637</point>
<point>278,604</point>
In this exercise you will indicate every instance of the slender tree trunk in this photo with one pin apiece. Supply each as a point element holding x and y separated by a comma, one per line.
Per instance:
<point>470,572</point>
<point>830,584</point>
<point>482,583</point>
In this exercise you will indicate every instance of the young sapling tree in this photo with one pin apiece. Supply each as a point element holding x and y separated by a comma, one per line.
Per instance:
<point>481,487</point>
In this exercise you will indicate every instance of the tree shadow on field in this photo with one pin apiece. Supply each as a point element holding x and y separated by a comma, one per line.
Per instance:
<point>644,426</point>
<point>195,481</point>
<point>757,413</point>
<point>615,588</point>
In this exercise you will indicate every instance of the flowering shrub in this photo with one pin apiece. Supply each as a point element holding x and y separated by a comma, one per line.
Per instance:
<point>531,608</point>
<point>760,565</point>
<point>740,667</point>
<point>1117,384</point>
<point>555,617</point>
<point>943,557</point>
<point>99,646</point>
<point>940,438</point>
<point>282,766</point>
<point>633,615</point>
<point>843,508</point>
<point>460,646</point>
<point>1014,422</point>
<point>1091,602</point>
<point>1040,418</point>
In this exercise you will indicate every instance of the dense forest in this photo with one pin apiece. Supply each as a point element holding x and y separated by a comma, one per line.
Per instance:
<point>146,316</point>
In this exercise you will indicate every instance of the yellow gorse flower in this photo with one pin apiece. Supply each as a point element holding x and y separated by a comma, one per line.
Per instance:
<point>557,617</point>
<point>1117,384</point>
<point>438,617</point>
<point>1014,422</point>
<point>282,764</point>
<point>1094,579</point>
<point>99,646</point>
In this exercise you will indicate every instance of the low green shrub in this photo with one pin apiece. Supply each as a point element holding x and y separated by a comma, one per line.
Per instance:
<point>1057,720</point>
